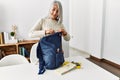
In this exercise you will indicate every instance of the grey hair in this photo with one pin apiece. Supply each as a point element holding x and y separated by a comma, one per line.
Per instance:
<point>60,16</point>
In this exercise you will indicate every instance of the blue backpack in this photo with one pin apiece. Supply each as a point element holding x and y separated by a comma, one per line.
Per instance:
<point>49,52</point>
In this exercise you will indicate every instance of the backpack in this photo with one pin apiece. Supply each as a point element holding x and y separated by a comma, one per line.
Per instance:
<point>49,52</point>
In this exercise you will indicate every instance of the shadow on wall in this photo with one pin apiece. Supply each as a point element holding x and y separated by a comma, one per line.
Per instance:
<point>2,18</point>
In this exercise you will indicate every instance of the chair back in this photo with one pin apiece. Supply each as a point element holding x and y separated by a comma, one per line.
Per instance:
<point>33,57</point>
<point>13,59</point>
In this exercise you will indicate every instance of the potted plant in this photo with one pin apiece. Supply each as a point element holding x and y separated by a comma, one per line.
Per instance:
<point>12,34</point>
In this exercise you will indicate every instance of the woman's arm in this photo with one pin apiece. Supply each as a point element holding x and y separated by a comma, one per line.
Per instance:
<point>36,30</point>
<point>65,34</point>
<point>67,37</point>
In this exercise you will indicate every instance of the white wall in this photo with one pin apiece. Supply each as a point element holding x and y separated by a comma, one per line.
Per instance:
<point>95,25</point>
<point>79,24</point>
<point>86,25</point>
<point>112,31</point>
<point>95,28</point>
<point>25,13</point>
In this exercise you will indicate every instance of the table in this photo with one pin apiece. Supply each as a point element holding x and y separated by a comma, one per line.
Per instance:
<point>89,71</point>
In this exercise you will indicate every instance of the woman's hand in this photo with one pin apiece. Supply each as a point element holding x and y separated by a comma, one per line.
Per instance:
<point>64,33</point>
<point>50,31</point>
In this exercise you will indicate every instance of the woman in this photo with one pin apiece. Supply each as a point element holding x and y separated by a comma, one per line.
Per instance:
<point>50,24</point>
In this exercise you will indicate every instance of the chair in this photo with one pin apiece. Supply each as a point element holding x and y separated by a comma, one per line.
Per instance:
<point>13,59</point>
<point>33,56</point>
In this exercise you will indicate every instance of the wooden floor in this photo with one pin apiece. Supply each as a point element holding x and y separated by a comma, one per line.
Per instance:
<point>108,67</point>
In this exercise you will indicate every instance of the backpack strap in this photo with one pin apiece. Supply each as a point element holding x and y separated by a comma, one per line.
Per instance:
<point>41,60</point>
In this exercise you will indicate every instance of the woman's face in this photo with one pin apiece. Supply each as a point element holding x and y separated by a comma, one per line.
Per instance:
<point>54,12</point>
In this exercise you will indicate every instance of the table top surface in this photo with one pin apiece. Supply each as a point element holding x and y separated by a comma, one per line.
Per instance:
<point>88,71</point>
